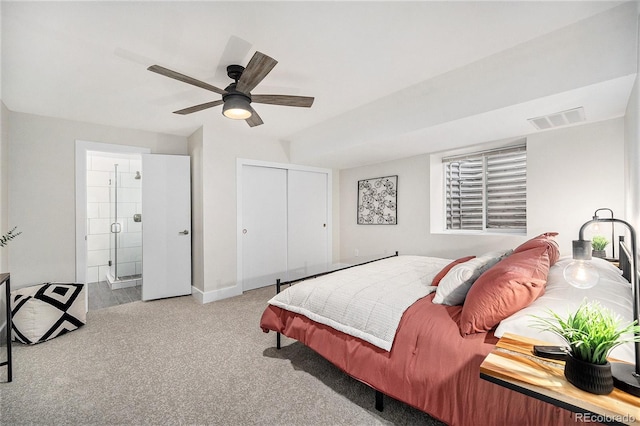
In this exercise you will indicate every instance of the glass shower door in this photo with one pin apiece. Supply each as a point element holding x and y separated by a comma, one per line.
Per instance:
<point>115,226</point>
<point>126,222</point>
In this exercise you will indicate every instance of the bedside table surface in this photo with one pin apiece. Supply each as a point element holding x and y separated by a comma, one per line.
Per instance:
<point>512,364</point>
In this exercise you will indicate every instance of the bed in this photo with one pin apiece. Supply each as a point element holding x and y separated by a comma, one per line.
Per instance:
<point>432,360</point>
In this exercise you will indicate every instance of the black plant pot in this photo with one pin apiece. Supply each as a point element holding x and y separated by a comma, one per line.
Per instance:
<point>599,253</point>
<point>593,378</point>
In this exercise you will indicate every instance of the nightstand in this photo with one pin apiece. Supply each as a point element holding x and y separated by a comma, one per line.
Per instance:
<point>512,365</point>
<point>5,323</point>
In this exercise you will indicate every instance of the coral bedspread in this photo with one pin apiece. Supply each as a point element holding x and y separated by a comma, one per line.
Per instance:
<point>430,366</point>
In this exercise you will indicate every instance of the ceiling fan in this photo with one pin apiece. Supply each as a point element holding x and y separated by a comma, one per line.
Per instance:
<point>237,97</point>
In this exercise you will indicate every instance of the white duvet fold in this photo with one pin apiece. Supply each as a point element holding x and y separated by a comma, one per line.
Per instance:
<point>366,301</point>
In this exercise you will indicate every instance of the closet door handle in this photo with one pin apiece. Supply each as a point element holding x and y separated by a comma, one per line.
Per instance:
<point>185,232</point>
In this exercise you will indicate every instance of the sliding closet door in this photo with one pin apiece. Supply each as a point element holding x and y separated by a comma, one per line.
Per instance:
<point>308,223</point>
<point>264,225</point>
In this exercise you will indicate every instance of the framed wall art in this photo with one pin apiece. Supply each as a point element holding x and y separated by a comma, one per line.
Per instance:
<point>377,201</point>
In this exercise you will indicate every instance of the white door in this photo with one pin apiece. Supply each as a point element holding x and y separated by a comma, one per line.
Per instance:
<point>264,225</point>
<point>166,226</point>
<point>307,221</point>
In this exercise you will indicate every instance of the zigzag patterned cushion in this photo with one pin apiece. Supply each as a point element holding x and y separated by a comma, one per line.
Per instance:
<point>45,311</point>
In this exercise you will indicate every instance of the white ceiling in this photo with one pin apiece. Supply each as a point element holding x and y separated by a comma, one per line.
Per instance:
<point>391,79</point>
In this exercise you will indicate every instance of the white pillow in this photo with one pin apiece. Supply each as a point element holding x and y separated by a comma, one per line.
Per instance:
<point>612,291</point>
<point>455,285</point>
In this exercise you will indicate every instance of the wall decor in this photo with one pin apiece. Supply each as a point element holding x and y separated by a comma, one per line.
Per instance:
<point>377,201</point>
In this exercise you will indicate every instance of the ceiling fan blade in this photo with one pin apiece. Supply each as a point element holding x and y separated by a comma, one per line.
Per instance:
<point>254,120</point>
<point>286,100</point>
<point>200,107</point>
<point>184,78</point>
<point>258,67</point>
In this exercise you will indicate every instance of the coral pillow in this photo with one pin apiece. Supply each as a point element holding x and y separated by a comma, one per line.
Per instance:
<point>441,274</point>
<point>512,284</point>
<point>543,240</point>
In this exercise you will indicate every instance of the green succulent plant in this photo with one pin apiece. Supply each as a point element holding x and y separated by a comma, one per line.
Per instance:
<point>4,240</point>
<point>591,332</point>
<point>598,242</point>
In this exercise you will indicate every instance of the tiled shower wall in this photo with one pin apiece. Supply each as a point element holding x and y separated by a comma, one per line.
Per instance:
<point>100,215</point>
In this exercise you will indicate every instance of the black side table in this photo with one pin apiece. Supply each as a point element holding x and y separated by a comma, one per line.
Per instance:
<point>5,279</point>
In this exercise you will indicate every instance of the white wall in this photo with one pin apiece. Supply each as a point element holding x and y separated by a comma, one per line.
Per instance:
<point>632,149</point>
<point>4,184</point>
<point>563,192</point>
<point>194,145</point>
<point>215,270</point>
<point>219,214</point>
<point>42,189</point>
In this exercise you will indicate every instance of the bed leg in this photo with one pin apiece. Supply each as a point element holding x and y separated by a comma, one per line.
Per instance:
<point>379,401</point>
<point>278,341</point>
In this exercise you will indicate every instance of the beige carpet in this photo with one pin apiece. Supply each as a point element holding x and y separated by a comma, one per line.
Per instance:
<point>175,361</point>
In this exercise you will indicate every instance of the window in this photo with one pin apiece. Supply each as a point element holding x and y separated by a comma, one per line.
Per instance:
<point>487,190</point>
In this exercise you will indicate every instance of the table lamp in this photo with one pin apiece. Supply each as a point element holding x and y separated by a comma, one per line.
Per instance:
<point>581,274</point>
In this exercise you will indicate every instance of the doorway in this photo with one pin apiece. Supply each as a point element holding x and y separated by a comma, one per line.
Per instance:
<point>114,228</point>
<point>164,185</point>
<point>108,237</point>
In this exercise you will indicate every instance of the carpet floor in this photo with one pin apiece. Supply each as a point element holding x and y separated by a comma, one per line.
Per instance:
<point>178,362</point>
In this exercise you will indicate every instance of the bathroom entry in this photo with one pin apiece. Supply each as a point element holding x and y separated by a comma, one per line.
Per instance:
<point>114,224</point>
<point>163,182</point>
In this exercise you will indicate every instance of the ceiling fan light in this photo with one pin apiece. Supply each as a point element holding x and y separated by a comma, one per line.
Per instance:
<point>236,107</point>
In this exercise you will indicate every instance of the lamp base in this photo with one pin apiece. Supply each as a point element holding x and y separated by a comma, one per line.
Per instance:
<point>625,378</point>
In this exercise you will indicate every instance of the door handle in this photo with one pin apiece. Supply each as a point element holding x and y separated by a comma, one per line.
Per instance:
<point>185,232</point>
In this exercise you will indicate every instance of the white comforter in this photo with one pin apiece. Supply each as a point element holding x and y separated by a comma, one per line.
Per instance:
<point>365,301</point>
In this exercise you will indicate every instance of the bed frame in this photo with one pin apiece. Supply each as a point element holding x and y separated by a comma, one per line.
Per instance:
<point>624,265</point>
<point>624,262</point>
<point>280,283</point>
<point>379,395</point>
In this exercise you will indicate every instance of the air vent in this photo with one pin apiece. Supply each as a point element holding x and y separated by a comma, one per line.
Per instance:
<point>558,119</point>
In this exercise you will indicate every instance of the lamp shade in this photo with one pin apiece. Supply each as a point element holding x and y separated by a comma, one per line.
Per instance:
<point>236,107</point>
<point>581,274</point>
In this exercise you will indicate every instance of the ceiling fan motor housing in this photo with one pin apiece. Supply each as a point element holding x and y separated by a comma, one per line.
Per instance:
<point>234,72</point>
<point>233,93</point>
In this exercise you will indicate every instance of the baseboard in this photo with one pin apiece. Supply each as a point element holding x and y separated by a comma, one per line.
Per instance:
<point>212,296</point>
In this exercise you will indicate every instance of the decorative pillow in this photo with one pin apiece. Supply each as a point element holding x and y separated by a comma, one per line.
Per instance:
<point>506,288</point>
<point>45,311</point>
<point>612,292</point>
<point>443,272</point>
<point>453,288</point>
<point>543,240</point>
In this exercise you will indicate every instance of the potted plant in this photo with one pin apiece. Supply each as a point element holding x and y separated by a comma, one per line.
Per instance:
<point>591,332</point>
<point>598,243</point>
<point>4,239</point>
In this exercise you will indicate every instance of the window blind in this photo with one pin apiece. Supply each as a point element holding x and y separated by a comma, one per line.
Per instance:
<point>487,190</point>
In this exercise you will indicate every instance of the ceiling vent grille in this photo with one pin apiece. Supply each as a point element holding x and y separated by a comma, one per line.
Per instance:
<point>564,118</point>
